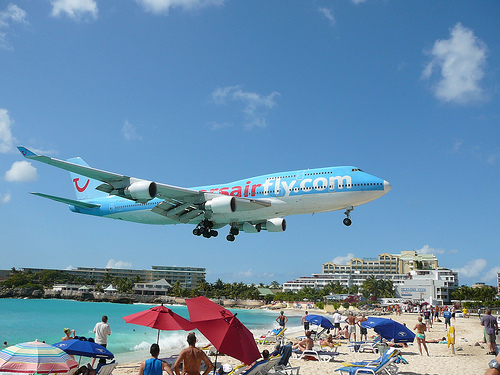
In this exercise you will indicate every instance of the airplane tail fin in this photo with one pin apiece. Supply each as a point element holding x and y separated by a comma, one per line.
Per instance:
<point>85,188</point>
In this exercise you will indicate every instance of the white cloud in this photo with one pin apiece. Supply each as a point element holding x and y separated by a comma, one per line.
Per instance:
<point>328,14</point>
<point>12,14</point>
<point>130,132</point>
<point>341,260</point>
<point>75,9</point>
<point>6,138</point>
<point>491,275</point>
<point>120,264</point>
<point>474,268</point>
<point>21,171</point>
<point>429,250</point>
<point>358,1</point>
<point>255,106</point>
<point>5,198</point>
<point>163,6</point>
<point>460,62</point>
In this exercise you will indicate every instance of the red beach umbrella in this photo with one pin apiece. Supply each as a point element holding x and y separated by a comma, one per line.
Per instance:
<point>160,318</point>
<point>223,329</point>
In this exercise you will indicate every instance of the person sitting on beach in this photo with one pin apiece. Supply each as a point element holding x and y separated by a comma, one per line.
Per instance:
<point>343,333</point>
<point>306,344</point>
<point>392,344</point>
<point>327,342</point>
<point>276,350</point>
<point>154,366</point>
<point>88,370</point>
<point>421,328</point>
<point>67,334</point>
<point>265,358</point>
<point>191,358</point>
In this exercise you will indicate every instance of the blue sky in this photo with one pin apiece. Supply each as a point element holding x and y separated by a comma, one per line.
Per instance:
<point>195,92</point>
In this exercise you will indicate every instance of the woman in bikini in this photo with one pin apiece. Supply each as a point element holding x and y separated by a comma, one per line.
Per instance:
<point>421,328</point>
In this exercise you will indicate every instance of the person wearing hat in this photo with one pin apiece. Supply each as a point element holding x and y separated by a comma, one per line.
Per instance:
<point>67,333</point>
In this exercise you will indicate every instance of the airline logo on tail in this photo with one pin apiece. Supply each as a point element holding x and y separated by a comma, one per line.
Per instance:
<point>80,189</point>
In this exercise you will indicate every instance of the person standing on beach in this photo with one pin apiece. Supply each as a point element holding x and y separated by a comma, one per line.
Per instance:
<point>490,330</point>
<point>282,319</point>
<point>362,330</point>
<point>351,321</point>
<point>155,366</point>
<point>305,322</point>
<point>447,319</point>
<point>191,358</point>
<point>336,322</point>
<point>102,331</point>
<point>421,328</point>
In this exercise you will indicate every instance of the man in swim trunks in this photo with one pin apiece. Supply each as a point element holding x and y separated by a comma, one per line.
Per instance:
<point>421,328</point>
<point>191,358</point>
<point>351,321</point>
<point>305,322</point>
<point>154,366</point>
<point>362,330</point>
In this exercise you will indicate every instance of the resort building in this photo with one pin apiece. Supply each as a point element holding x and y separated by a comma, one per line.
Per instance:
<point>385,264</point>
<point>188,277</point>
<point>433,286</point>
<point>156,288</point>
<point>415,276</point>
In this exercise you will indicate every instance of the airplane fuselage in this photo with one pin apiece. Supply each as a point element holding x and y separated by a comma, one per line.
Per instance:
<point>289,193</point>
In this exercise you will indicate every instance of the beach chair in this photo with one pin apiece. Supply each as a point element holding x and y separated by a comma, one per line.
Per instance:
<point>315,355</point>
<point>283,367</point>
<point>369,346</point>
<point>107,369</point>
<point>383,365</point>
<point>274,336</point>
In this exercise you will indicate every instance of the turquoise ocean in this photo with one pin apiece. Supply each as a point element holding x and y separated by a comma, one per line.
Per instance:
<point>23,320</point>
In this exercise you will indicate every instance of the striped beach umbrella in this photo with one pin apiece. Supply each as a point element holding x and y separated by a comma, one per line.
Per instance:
<point>31,357</point>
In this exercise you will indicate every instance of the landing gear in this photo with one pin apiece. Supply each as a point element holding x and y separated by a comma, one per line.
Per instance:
<point>204,229</point>
<point>347,221</point>
<point>233,232</point>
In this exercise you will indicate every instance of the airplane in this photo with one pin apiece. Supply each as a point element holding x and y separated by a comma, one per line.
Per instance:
<point>249,205</point>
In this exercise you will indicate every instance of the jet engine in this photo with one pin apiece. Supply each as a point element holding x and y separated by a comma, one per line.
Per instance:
<point>221,205</point>
<point>141,191</point>
<point>275,225</point>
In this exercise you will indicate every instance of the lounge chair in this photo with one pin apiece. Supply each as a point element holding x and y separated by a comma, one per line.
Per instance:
<point>383,365</point>
<point>283,367</point>
<point>107,369</point>
<point>369,346</point>
<point>315,355</point>
<point>274,336</point>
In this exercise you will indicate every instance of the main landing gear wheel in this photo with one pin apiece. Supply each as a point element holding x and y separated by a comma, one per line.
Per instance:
<point>347,221</point>
<point>233,232</point>
<point>205,229</point>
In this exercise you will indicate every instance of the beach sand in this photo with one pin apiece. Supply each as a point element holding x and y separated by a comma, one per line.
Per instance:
<point>468,358</point>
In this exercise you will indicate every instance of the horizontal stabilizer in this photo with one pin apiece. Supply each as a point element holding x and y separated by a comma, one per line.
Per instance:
<point>68,201</point>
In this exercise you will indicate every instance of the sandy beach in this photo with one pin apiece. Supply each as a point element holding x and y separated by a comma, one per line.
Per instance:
<point>469,358</point>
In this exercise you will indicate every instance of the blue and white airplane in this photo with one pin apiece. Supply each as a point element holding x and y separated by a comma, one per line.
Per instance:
<point>249,205</point>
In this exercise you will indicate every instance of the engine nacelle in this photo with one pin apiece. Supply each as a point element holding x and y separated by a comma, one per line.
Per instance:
<point>276,225</point>
<point>221,205</point>
<point>141,191</point>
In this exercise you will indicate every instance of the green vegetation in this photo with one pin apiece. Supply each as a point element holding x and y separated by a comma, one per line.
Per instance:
<point>476,297</point>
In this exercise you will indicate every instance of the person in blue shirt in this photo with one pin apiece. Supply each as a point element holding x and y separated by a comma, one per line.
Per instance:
<point>155,366</point>
<point>447,318</point>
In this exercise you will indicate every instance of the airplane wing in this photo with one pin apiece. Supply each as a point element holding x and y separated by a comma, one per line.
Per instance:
<point>68,201</point>
<point>181,204</point>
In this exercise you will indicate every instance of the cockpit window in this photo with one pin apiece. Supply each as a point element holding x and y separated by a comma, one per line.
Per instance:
<point>356,170</point>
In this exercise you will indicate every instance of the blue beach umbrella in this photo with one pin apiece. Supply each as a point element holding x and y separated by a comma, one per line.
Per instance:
<point>84,348</point>
<point>320,320</point>
<point>389,329</point>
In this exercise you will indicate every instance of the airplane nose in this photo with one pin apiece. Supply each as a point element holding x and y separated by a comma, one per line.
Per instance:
<point>387,186</point>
